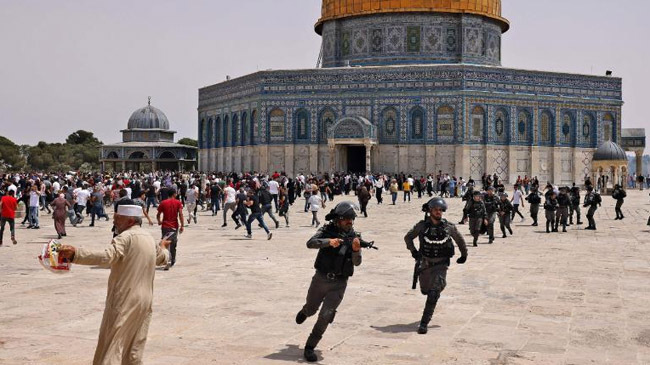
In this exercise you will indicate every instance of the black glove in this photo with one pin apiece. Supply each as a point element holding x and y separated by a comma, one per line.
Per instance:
<point>416,255</point>
<point>461,260</point>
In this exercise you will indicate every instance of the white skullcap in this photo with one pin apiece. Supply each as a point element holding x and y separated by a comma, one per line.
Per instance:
<point>129,210</point>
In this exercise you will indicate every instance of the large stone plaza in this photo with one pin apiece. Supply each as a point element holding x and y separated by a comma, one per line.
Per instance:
<point>534,298</point>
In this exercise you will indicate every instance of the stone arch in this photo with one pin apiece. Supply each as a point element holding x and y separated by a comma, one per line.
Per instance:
<point>567,128</point>
<point>217,132</point>
<point>277,124</point>
<point>524,126</point>
<point>389,124</point>
<point>501,124</point>
<point>301,124</point>
<point>138,155</point>
<point>167,155</point>
<point>245,131</point>
<point>546,127</point>
<point>326,120</point>
<point>477,123</point>
<point>113,155</point>
<point>417,120</point>
<point>445,122</point>
<point>234,130</point>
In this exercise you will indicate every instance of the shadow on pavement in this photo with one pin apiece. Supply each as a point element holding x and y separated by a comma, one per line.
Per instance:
<point>291,353</point>
<point>401,328</point>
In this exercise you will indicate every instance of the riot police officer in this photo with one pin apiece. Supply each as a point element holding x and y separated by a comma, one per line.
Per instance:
<point>619,194</point>
<point>467,197</point>
<point>534,200</point>
<point>491,207</point>
<point>475,210</point>
<point>505,212</point>
<point>334,264</point>
<point>592,201</point>
<point>436,241</point>
<point>550,206</point>
<point>562,212</point>
<point>574,197</point>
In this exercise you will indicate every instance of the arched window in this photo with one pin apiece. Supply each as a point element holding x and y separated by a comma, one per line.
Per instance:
<point>417,123</point>
<point>112,155</point>
<point>226,131</point>
<point>302,124</point>
<point>522,125</point>
<point>235,130</point>
<point>276,124</point>
<point>217,132</point>
<point>445,119</point>
<point>501,124</point>
<point>389,121</point>
<point>608,127</point>
<point>587,127</point>
<point>167,155</point>
<point>204,134</point>
<point>545,127</point>
<point>245,130</point>
<point>209,140</point>
<point>254,126</point>
<point>326,121</point>
<point>567,121</point>
<point>138,155</point>
<point>476,122</point>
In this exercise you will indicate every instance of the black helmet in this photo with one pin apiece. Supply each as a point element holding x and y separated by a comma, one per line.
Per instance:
<point>343,210</point>
<point>436,202</point>
<point>590,188</point>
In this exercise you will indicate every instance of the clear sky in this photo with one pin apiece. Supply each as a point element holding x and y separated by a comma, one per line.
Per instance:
<point>85,64</point>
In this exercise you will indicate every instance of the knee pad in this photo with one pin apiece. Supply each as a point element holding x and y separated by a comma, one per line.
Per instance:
<point>328,315</point>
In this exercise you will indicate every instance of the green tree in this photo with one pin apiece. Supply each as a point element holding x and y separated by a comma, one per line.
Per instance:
<point>82,137</point>
<point>188,142</point>
<point>11,157</point>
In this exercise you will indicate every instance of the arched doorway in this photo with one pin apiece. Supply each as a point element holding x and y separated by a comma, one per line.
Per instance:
<point>350,142</point>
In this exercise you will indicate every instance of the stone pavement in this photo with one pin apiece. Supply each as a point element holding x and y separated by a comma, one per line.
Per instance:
<point>534,298</point>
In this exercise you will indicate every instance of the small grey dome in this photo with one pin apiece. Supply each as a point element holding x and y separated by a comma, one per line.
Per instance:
<point>148,118</point>
<point>610,151</point>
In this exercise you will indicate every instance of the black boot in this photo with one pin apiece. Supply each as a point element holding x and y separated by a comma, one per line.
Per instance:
<point>429,307</point>
<point>310,355</point>
<point>300,317</point>
<point>547,224</point>
<point>475,242</point>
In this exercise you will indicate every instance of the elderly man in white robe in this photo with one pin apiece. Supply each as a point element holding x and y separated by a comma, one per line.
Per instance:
<point>132,257</point>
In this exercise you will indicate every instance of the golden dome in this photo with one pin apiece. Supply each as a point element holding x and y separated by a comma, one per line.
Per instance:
<point>337,9</point>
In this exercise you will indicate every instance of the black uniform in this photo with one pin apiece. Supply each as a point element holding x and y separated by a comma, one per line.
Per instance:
<point>550,206</point>
<point>467,198</point>
<point>505,211</point>
<point>436,249</point>
<point>534,200</point>
<point>476,212</point>
<point>333,268</point>
<point>491,207</point>
<point>592,201</point>
<point>574,197</point>
<point>562,213</point>
<point>619,194</point>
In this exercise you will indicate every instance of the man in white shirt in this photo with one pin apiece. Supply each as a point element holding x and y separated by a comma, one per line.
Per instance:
<point>81,198</point>
<point>274,190</point>
<point>230,196</point>
<point>517,199</point>
<point>34,200</point>
<point>190,202</point>
<point>315,202</point>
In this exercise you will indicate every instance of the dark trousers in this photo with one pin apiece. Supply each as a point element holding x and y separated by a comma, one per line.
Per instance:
<point>97,210</point>
<point>407,194</point>
<point>268,209</point>
<point>329,293</point>
<point>172,247</point>
<point>492,217</point>
<point>515,210</point>
<point>504,223</point>
<point>561,216</point>
<point>275,201</point>
<point>259,218</point>
<point>619,212</point>
<point>534,212</point>
<point>378,192</point>
<point>550,220</point>
<point>364,209</point>
<point>574,209</point>
<point>433,280</point>
<point>12,228</point>
<point>151,201</point>
<point>590,216</point>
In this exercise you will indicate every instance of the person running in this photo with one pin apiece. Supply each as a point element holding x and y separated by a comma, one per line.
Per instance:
<point>171,223</point>
<point>8,206</point>
<point>191,195</point>
<point>253,203</point>
<point>517,198</point>
<point>315,203</point>
<point>34,201</point>
<point>230,203</point>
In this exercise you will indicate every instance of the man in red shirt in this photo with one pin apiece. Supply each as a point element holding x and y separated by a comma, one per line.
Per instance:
<point>8,206</point>
<point>171,210</point>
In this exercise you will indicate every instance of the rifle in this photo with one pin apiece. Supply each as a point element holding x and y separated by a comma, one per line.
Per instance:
<point>416,274</point>
<point>347,243</point>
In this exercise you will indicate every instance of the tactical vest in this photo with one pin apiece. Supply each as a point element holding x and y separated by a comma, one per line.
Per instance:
<point>329,259</point>
<point>490,204</point>
<point>534,198</point>
<point>435,241</point>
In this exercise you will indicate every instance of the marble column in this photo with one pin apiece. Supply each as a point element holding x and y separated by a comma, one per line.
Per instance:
<point>332,156</point>
<point>368,161</point>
